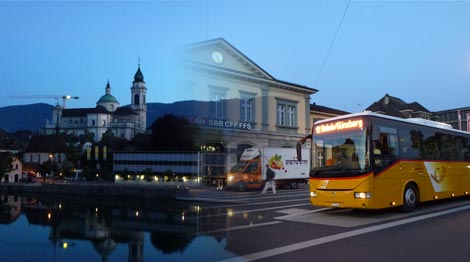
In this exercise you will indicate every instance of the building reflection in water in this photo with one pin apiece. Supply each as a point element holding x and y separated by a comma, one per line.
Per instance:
<point>172,226</point>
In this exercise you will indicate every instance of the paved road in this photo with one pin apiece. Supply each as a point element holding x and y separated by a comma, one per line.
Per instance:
<point>285,227</point>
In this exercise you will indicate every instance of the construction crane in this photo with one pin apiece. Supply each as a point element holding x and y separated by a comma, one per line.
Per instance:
<point>56,97</point>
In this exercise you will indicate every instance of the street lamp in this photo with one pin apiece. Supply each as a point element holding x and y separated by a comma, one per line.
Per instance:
<point>50,164</point>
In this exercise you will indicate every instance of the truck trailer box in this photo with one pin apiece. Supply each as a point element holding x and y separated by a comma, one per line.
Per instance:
<point>250,172</point>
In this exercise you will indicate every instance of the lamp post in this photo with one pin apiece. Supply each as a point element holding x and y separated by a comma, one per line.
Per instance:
<point>50,164</point>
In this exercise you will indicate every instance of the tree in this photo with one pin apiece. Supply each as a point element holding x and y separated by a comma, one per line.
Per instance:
<point>5,166</point>
<point>173,133</point>
<point>87,137</point>
<point>108,133</point>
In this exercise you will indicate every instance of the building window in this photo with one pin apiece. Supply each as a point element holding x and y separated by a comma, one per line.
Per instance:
<point>247,106</point>
<point>291,116</point>
<point>286,113</point>
<point>281,115</point>
<point>136,99</point>
<point>218,106</point>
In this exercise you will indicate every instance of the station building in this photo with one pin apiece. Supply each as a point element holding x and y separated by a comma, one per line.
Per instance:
<point>235,104</point>
<point>459,118</point>
<point>244,105</point>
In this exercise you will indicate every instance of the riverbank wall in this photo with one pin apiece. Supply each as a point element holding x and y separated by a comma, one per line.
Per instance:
<point>110,190</point>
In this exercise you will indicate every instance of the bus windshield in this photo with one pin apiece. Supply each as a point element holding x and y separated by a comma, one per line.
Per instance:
<point>340,153</point>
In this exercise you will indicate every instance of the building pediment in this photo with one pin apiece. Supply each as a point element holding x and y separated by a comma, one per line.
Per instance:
<point>220,55</point>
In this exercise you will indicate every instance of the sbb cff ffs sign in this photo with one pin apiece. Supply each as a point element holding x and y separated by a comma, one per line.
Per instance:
<point>223,123</point>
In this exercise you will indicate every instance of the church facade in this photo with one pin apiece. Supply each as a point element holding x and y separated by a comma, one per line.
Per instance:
<point>107,116</point>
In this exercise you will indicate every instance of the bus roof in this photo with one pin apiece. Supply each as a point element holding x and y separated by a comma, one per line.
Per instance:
<point>418,121</point>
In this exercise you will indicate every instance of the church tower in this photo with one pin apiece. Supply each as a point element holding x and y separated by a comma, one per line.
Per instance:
<point>139,104</point>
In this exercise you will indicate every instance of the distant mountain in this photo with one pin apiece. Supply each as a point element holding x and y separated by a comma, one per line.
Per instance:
<point>25,117</point>
<point>33,117</point>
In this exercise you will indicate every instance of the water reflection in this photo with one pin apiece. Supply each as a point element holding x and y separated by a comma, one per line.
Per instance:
<point>154,230</point>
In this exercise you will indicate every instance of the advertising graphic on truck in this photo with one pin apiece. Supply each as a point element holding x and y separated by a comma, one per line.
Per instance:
<point>250,172</point>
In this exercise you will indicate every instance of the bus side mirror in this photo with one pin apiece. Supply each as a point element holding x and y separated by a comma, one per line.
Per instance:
<point>298,147</point>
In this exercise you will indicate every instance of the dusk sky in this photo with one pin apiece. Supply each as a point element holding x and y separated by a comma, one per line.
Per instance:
<point>353,52</point>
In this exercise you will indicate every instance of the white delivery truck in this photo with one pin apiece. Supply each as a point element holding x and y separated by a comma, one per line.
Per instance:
<point>250,172</point>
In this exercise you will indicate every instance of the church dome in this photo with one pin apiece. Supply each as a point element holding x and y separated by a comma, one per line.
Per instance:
<point>107,100</point>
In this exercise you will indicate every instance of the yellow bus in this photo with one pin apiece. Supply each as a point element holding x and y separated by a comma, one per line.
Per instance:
<point>372,161</point>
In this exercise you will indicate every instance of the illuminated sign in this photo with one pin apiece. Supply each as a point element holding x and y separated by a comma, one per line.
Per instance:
<point>201,121</point>
<point>229,124</point>
<point>339,126</point>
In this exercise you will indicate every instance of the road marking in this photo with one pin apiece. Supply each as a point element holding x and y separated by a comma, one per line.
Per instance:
<point>261,203</point>
<point>296,212</point>
<point>327,239</point>
<point>240,227</point>
<point>245,200</point>
<point>231,213</point>
<point>336,217</point>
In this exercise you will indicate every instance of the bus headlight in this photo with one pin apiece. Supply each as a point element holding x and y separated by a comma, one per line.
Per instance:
<point>313,194</point>
<point>362,195</point>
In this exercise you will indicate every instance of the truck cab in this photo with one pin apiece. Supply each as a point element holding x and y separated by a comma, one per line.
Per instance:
<point>246,173</point>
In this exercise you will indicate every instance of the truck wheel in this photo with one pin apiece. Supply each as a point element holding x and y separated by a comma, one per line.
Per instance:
<point>410,198</point>
<point>294,185</point>
<point>242,187</point>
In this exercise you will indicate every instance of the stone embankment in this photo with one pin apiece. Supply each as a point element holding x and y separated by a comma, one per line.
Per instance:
<point>110,190</point>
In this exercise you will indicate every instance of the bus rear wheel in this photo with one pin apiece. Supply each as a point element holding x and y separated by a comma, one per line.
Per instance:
<point>410,198</point>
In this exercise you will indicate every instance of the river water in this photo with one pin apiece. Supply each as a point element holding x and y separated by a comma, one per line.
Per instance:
<point>87,229</point>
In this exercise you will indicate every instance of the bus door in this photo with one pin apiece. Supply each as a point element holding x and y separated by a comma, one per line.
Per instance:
<point>384,147</point>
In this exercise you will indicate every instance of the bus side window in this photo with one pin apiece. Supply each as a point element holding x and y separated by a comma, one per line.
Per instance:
<point>385,149</point>
<point>466,149</point>
<point>430,147</point>
<point>407,150</point>
<point>388,143</point>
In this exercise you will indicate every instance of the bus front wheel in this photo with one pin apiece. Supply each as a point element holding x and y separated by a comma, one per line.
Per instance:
<point>410,198</point>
